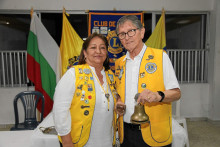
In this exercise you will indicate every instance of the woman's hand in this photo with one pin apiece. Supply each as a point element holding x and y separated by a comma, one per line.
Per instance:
<point>120,107</point>
<point>67,140</point>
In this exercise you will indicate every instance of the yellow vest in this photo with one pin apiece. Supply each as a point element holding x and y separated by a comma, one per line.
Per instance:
<point>159,131</point>
<point>83,104</point>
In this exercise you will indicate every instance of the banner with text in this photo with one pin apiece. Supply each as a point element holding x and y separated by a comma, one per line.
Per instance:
<point>105,23</point>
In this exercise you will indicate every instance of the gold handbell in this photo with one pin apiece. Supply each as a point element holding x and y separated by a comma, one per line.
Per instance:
<point>139,116</point>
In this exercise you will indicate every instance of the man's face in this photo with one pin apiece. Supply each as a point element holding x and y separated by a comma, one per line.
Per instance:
<point>134,42</point>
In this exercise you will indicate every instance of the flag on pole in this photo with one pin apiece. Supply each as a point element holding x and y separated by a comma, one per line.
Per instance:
<point>158,37</point>
<point>42,61</point>
<point>70,45</point>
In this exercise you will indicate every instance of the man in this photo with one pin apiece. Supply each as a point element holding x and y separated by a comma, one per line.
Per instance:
<point>147,71</point>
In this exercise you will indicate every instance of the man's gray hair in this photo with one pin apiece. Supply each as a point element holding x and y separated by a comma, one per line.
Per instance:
<point>133,18</point>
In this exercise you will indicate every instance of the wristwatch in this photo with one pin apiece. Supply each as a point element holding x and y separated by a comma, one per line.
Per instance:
<point>162,95</point>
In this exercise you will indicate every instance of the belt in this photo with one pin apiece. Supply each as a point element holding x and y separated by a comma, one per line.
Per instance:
<point>132,126</point>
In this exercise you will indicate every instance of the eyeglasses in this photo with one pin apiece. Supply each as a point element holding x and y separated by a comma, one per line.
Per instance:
<point>130,33</point>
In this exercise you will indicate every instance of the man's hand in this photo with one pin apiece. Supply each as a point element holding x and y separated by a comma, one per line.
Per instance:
<point>148,96</point>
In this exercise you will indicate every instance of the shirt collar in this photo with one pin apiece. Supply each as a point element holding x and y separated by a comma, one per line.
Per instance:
<point>140,55</point>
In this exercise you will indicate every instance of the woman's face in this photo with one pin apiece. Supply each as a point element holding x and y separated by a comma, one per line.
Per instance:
<point>96,52</point>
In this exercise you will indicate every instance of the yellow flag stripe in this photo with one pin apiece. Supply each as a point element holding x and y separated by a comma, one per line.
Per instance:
<point>158,37</point>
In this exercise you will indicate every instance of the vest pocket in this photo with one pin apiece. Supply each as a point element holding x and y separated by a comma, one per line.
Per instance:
<point>76,133</point>
<point>161,131</point>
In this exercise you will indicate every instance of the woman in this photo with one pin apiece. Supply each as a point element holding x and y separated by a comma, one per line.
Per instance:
<point>84,98</point>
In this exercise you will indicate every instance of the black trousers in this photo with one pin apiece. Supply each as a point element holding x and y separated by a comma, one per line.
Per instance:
<point>133,137</point>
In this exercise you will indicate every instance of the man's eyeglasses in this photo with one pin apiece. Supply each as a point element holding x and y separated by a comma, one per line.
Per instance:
<point>130,33</point>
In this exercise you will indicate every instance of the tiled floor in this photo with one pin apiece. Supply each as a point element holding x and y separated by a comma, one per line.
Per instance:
<point>202,133</point>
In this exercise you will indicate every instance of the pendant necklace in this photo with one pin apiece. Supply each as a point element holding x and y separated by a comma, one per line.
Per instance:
<point>107,95</point>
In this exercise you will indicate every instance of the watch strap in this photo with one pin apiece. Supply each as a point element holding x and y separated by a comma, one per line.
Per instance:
<point>162,95</point>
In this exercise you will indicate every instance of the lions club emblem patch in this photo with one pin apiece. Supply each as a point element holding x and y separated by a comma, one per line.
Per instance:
<point>150,67</point>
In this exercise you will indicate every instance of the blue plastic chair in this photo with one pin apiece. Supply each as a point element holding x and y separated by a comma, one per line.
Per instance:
<point>30,100</point>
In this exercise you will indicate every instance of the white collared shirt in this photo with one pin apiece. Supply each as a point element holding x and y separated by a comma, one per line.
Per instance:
<point>132,75</point>
<point>101,130</point>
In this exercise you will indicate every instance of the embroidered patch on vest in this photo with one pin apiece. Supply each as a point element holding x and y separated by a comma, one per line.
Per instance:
<point>142,75</point>
<point>150,57</point>
<point>86,101</point>
<point>121,73</point>
<point>143,85</point>
<point>80,87</point>
<point>80,70</point>
<point>90,87</point>
<point>86,78</point>
<point>86,112</point>
<point>77,94</point>
<point>150,67</point>
<point>111,77</point>
<point>89,97</point>
<point>86,71</point>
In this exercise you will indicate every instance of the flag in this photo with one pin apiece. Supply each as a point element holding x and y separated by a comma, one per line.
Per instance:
<point>70,45</point>
<point>42,61</point>
<point>158,37</point>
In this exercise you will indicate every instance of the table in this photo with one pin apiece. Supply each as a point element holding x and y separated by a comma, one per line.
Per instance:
<point>38,139</point>
<point>15,138</point>
<point>179,134</point>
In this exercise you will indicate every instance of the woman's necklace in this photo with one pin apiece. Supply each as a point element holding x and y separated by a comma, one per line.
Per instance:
<point>107,95</point>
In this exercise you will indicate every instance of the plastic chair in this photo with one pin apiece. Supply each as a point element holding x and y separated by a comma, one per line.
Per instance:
<point>30,100</point>
<point>181,120</point>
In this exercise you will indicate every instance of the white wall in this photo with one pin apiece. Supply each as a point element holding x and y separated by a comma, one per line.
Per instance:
<point>194,102</point>
<point>147,5</point>
<point>215,63</point>
<point>6,105</point>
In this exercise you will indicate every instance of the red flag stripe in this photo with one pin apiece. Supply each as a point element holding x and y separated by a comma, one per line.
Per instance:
<point>34,74</point>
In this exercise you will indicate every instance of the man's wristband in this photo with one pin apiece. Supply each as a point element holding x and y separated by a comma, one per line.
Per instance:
<point>162,95</point>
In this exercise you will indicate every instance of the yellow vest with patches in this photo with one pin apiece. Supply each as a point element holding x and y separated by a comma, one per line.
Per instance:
<point>158,132</point>
<point>83,104</point>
